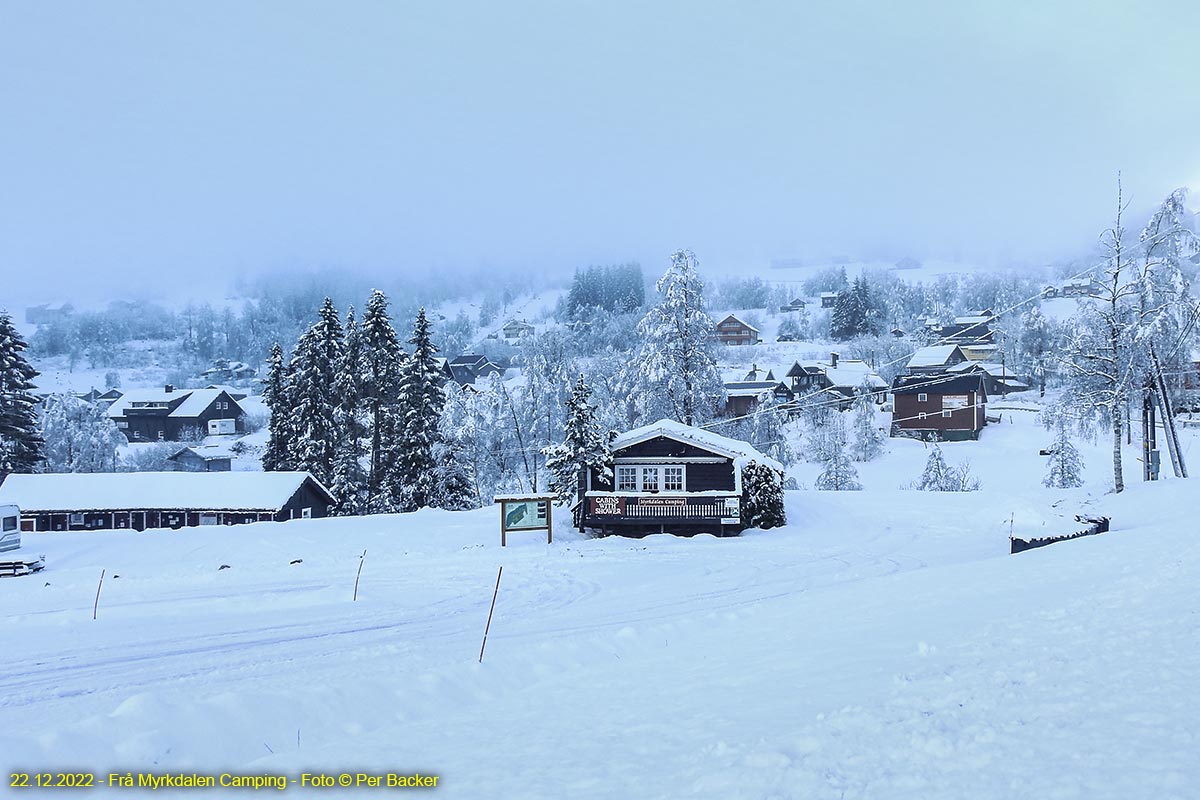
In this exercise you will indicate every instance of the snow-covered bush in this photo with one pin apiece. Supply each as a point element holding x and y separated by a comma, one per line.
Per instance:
<point>938,476</point>
<point>762,497</point>
<point>838,473</point>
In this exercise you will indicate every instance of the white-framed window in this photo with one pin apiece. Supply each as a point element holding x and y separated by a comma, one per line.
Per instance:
<point>76,519</point>
<point>920,415</point>
<point>946,413</point>
<point>306,513</point>
<point>162,435</point>
<point>922,398</point>
<point>673,479</point>
<point>650,478</point>
<point>137,434</point>
<point>627,479</point>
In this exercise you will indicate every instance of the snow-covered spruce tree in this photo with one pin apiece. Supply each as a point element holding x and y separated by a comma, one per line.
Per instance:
<point>762,497</point>
<point>279,454</point>
<point>315,403</point>
<point>938,476</point>
<point>20,441</point>
<point>584,446</point>
<point>79,436</point>
<point>419,407</point>
<point>349,485</point>
<point>837,473</point>
<point>675,362</point>
<point>1065,468</point>
<point>869,438</point>
<point>381,362</point>
<point>544,395</point>
<point>452,487</point>
<point>463,431</point>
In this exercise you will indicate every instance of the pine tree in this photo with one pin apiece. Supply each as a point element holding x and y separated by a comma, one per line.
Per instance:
<point>349,477</point>
<point>869,438</point>
<point>675,364</point>
<point>452,487</point>
<point>315,404</point>
<point>381,362</point>
<point>420,407</point>
<point>79,436</point>
<point>938,475</point>
<point>20,441</point>
<point>1065,469</point>
<point>838,473</point>
<point>762,497</point>
<point>584,446</point>
<point>279,453</point>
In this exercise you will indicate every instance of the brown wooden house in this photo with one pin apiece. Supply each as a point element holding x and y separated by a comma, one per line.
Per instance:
<point>668,478</point>
<point>732,330</point>
<point>946,407</point>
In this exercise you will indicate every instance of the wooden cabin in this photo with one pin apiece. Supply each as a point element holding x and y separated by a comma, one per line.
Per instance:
<point>951,408</point>
<point>142,500</point>
<point>668,478</point>
<point>732,330</point>
<point>935,359</point>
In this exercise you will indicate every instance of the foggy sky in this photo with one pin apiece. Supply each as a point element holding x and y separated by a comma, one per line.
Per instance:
<point>189,143</point>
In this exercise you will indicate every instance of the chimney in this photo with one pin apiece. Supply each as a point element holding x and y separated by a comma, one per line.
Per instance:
<point>169,388</point>
<point>833,360</point>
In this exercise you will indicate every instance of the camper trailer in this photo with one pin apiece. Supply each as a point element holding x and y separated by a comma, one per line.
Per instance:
<point>10,528</point>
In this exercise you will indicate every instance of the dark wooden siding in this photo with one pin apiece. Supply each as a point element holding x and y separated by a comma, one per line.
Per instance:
<point>908,408</point>
<point>307,496</point>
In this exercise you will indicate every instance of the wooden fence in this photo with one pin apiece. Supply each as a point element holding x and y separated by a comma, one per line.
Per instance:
<point>1094,525</point>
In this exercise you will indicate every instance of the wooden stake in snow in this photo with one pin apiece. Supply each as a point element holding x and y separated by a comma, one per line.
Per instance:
<point>488,627</point>
<point>361,559</point>
<point>96,605</point>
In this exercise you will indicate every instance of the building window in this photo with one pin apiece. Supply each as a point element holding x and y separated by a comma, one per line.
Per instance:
<point>137,434</point>
<point>627,479</point>
<point>920,415</point>
<point>922,398</point>
<point>946,414</point>
<point>673,479</point>
<point>162,435</point>
<point>649,479</point>
<point>306,513</point>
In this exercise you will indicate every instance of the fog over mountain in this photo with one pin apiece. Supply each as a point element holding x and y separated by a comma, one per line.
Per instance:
<point>172,148</point>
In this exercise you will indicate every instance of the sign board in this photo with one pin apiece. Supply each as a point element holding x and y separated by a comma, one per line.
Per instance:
<point>525,513</point>
<point>604,506</point>
<point>951,401</point>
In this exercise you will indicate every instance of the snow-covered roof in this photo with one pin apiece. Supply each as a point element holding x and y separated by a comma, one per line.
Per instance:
<point>933,356</point>
<point>972,320</point>
<point>851,372</point>
<point>194,403</point>
<point>207,451</point>
<point>990,367</point>
<point>750,388</point>
<point>829,294</point>
<point>670,429</point>
<point>741,322</point>
<point>120,491</point>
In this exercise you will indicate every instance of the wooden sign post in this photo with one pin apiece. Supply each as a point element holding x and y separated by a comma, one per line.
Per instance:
<point>525,512</point>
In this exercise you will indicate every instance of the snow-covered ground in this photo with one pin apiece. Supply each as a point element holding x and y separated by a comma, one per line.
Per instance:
<point>882,645</point>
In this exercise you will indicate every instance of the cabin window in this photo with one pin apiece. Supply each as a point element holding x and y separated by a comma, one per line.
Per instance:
<point>306,513</point>
<point>627,479</point>
<point>920,415</point>
<point>162,435</point>
<point>922,398</point>
<point>649,479</point>
<point>946,414</point>
<point>76,519</point>
<point>673,479</point>
<point>137,434</point>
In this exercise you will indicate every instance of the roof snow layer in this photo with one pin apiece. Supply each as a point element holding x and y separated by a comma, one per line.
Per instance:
<point>119,491</point>
<point>733,448</point>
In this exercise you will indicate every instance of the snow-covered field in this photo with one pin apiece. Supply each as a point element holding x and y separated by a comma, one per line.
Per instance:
<point>882,645</point>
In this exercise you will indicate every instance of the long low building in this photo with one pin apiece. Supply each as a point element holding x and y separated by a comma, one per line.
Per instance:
<point>142,500</point>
